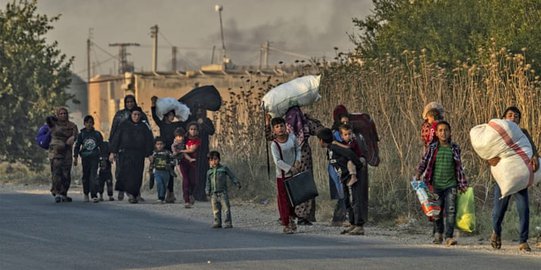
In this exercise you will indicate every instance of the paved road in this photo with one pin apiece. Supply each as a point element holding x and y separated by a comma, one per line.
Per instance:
<point>36,233</point>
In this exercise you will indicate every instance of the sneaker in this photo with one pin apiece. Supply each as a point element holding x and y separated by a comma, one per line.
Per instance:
<point>228,226</point>
<point>288,230</point>
<point>450,242</point>
<point>347,229</point>
<point>357,230</point>
<point>95,200</point>
<point>111,198</point>
<point>495,241</point>
<point>438,239</point>
<point>57,199</point>
<point>86,199</point>
<point>524,247</point>
<point>187,205</point>
<point>216,226</point>
<point>121,195</point>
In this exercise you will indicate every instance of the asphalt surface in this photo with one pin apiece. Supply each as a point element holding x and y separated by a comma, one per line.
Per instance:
<point>36,233</point>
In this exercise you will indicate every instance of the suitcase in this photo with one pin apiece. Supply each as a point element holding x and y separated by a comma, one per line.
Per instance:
<point>301,188</point>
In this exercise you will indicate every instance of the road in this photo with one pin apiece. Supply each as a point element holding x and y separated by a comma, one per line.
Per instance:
<point>36,233</point>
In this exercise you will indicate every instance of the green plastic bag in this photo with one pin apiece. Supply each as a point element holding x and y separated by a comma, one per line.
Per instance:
<point>465,213</point>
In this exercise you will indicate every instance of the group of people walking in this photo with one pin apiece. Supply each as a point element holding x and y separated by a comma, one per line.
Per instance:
<point>442,171</point>
<point>130,142</point>
<point>186,145</point>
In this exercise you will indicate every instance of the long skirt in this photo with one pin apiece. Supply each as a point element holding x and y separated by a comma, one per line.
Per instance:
<point>131,165</point>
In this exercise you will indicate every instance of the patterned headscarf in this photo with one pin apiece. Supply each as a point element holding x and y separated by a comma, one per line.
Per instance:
<point>296,123</point>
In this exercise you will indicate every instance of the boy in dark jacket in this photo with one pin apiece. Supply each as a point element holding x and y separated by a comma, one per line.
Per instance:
<point>216,188</point>
<point>88,146</point>
<point>342,160</point>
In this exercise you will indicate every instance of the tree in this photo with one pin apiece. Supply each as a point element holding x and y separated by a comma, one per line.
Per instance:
<point>33,76</point>
<point>449,30</point>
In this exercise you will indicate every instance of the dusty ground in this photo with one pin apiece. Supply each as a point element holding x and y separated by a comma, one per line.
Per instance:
<point>263,217</point>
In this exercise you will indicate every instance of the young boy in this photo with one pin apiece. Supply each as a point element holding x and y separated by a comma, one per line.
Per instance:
<point>286,154</point>
<point>105,174</point>
<point>216,188</point>
<point>161,164</point>
<point>343,159</point>
<point>443,173</point>
<point>88,147</point>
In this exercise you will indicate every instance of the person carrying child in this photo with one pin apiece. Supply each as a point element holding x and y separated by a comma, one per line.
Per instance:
<point>432,113</point>
<point>348,166</point>
<point>286,154</point>
<point>216,188</point>
<point>187,152</point>
<point>161,166</point>
<point>443,174</point>
<point>105,174</point>
<point>88,146</point>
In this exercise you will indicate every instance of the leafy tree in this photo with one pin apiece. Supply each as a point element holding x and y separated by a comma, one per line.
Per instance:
<point>33,76</point>
<point>449,30</point>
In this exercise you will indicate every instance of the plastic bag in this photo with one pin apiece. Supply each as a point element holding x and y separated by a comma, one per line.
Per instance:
<point>428,200</point>
<point>165,105</point>
<point>465,211</point>
<point>298,92</point>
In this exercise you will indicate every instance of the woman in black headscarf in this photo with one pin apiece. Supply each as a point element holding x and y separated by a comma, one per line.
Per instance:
<point>121,116</point>
<point>130,144</point>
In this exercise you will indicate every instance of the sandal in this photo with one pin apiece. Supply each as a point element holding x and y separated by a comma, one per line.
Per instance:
<point>495,241</point>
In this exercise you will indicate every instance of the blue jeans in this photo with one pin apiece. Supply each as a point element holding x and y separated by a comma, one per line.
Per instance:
<point>161,177</point>
<point>523,209</point>
<point>447,202</point>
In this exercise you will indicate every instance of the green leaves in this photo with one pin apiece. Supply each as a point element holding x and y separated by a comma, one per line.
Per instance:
<point>33,76</point>
<point>449,30</point>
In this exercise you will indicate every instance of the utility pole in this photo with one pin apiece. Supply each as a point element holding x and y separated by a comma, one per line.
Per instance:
<point>123,65</point>
<point>219,9</point>
<point>154,35</point>
<point>88,49</point>
<point>212,56</point>
<point>264,55</point>
<point>174,58</point>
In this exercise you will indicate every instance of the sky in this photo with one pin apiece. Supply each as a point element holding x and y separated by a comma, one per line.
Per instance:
<point>304,28</point>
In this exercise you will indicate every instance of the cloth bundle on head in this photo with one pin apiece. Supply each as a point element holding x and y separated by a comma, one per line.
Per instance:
<point>165,105</point>
<point>433,105</point>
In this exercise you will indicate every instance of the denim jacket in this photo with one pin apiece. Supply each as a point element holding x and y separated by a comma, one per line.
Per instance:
<point>217,179</point>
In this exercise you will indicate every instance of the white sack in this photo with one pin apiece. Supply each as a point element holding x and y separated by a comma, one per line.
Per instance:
<point>298,92</point>
<point>504,139</point>
<point>165,105</point>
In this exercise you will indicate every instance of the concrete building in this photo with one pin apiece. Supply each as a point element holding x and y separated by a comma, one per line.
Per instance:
<point>106,92</point>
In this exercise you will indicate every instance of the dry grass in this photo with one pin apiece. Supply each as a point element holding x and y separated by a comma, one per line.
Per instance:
<point>394,94</point>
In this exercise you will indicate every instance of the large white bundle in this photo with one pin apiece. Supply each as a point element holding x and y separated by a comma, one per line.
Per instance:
<point>298,92</point>
<point>165,105</point>
<point>504,139</point>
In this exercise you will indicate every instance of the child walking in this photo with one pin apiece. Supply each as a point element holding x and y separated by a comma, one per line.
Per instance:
<point>161,164</point>
<point>105,175</point>
<point>347,165</point>
<point>216,188</point>
<point>444,174</point>
<point>286,154</point>
<point>88,147</point>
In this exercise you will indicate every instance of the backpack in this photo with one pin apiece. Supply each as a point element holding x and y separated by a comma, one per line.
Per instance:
<point>43,138</point>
